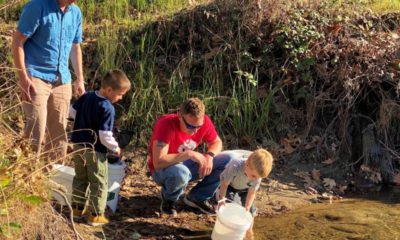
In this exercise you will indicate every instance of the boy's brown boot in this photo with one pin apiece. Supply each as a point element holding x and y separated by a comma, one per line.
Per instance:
<point>97,220</point>
<point>79,214</point>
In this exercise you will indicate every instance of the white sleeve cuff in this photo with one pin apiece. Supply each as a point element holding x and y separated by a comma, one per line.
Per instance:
<point>72,112</point>
<point>108,140</point>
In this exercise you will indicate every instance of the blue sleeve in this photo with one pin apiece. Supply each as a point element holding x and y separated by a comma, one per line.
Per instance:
<point>107,120</point>
<point>78,33</point>
<point>30,18</point>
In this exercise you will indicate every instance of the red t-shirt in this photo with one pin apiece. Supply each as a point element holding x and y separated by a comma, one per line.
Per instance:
<point>167,130</point>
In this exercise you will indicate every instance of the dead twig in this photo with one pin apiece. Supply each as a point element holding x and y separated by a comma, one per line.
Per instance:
<point>5,6</point>
<point>78,236</point>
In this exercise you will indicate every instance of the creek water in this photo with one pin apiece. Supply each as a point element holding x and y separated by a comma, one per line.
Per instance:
<point>373,216</point>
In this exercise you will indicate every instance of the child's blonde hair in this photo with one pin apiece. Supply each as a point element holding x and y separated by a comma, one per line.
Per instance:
<point>261,161</point>
<point>116,79</point>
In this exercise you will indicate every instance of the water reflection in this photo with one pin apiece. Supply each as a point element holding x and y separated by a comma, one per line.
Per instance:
<point>372,216</point>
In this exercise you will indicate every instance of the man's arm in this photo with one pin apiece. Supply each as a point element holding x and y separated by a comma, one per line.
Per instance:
<point>251,195</point>
<point>215,146</point>
<point>76,60</point>
<point>25,82</point>
<point>161,158</point>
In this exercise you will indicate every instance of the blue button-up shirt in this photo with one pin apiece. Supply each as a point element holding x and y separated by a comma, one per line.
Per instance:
<point>51,34</point>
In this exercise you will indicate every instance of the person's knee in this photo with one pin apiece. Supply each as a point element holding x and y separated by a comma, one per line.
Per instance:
<point>173,177</point>
<point>180,176</point>
<point>221,160</point>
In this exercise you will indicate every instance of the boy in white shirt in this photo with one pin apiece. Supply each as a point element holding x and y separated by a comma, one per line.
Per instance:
<point>94,120</point>
<point>243,177</point>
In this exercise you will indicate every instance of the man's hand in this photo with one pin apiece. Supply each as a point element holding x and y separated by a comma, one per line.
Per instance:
<point>209,165</point>
<point>201,160</point>
<point>27,88</point>
<point>79,87</point>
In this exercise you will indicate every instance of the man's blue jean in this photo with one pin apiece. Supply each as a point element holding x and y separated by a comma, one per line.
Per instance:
<point>175,178</point>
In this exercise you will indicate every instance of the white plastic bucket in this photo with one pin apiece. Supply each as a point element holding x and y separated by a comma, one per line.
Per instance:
<point>64,175</point>
<point>232,222</point>
<point>116,173</point>
<point>238,153</point>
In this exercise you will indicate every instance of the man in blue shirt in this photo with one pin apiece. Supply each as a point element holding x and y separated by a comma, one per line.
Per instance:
<point>49,33</point>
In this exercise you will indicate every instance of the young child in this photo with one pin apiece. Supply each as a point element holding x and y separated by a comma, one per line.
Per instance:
<point>93,137</point>
<point>243,176</point>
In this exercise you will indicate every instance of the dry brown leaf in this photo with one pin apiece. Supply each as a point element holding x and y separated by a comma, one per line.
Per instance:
<point>287,148</point>
<point>316,139</point>
<point>328,161</point>
<point>311,191</point>
<point>290,143</point>
<point>213,52</point>
<point>294,140</point>
<point>304,175</point>
<point>396,179</point>
<point>308,146</point>
<point>316,175</point>
<point>376,177</point>
<point>342,188</point>
<point>329,183</point>
<point>287,81</point>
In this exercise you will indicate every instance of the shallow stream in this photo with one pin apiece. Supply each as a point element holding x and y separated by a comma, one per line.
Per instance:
<point>374,216</point>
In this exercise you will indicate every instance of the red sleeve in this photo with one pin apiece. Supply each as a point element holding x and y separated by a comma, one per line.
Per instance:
<point>210,133</point>
<point>163,131</point>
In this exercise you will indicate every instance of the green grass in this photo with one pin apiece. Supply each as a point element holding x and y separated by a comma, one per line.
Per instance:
<point>125,37</point>
<point>385,6</point>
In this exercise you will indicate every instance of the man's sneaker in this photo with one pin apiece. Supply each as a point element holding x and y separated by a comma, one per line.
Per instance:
<point>168,207</point>
<point>204,206</point>
<point>97,220</point>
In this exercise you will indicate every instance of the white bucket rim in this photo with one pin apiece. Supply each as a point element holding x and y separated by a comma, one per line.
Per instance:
<point>240,153</point>
<point>226,222</point>
<point>60,168</point>
<point>120,165</point>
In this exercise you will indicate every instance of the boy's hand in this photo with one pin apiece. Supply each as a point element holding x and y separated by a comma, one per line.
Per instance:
<point>221,203</point>
<point>118,152</point>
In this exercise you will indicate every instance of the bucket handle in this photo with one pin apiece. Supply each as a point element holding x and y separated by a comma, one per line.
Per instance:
<point>222,202</point>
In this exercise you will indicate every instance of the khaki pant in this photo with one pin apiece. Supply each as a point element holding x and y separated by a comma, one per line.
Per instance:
<point>91,170</point>
<point>47,114</point>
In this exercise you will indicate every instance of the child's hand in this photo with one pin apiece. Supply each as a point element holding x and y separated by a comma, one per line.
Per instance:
<point>221,203</point>
<point>118,152</point>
